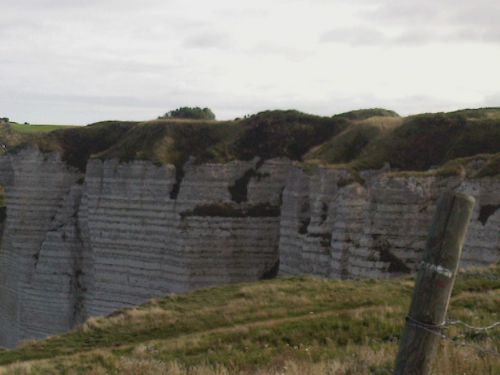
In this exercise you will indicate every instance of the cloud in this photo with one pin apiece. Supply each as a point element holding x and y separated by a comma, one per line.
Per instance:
<point>373,36</point>
<point>85,60</point>
<point>427,21</point>
<point>355,36</point>
<point>289,52</point>
<point>208,39</point>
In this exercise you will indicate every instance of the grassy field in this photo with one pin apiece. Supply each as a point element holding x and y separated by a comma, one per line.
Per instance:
<point>38,128</point>
<point>282,326</point>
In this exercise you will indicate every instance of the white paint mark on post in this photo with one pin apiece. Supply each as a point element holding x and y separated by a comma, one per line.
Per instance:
<point>438,269</point>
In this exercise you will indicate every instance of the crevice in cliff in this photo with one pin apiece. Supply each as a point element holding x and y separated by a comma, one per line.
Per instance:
<point>324,213</point>
<point>303,224</point>
<point>78,293</point>
<point>239,190</point>
<point>383,248</point>
<point>272,272</point>
<point>179,176</point>
<point>486,211</point>
<point>304,221</point>
<point>76,279</point>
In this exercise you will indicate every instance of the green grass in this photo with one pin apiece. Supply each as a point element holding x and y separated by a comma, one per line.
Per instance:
<point>468,166</point>
<point>174,141</point>
<point>347,146</point>
<point>431,140</point>
<point>37,128</point>
<point>246,327</point>
<point>364,114</point>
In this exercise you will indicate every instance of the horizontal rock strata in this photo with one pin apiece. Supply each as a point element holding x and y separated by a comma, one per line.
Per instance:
<point>77,245</point>
<point>334,226</point>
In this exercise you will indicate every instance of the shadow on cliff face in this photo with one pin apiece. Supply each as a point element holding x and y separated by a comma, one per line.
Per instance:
<point>272,272</point>
<point>486,211</point>
<point>239,190</point>
<point>234,211</point>
<point>382,247</point>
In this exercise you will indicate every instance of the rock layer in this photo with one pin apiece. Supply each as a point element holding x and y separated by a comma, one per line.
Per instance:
<point>77,245</point>
<point>333,226</point>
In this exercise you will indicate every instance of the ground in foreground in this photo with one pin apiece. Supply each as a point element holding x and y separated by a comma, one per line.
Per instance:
<point>282,326</point>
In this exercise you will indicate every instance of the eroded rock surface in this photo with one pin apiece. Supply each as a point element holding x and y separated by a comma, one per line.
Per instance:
<point>79,244</point>
<point>335,227</point>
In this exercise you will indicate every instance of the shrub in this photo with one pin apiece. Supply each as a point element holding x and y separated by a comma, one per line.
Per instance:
<point>193,113</point>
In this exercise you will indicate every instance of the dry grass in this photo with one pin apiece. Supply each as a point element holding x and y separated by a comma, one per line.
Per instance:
<point>365,361</point>
<point>283,326</point>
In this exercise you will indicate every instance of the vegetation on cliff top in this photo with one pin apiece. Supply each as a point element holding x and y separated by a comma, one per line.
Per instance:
<point>37,128</point>
<point>362,139</point>
<point>430,140</point>
<point>363,114</point>
<point>280,326</point>
<point>193,113</point>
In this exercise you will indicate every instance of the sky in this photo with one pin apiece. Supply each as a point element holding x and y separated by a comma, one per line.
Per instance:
<point>81,61</point>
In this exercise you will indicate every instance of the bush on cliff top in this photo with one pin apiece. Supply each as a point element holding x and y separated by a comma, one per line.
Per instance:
<point>363,114</point>
<point>284,134</point>
<point>192,113</point>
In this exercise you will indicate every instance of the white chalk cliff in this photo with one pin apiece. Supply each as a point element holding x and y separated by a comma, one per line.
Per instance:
<point>76,244</point>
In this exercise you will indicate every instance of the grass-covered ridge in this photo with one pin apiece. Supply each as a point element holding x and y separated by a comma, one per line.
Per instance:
<point>358,140</point>
<point>37,128</point>
<point>270,326</point>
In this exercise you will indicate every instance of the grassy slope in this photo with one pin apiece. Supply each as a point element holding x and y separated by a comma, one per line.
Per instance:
<point>443,142</point>
<point>37,128</point>
<point>262,326</point>
<point>428,140</point>
<point>350,143</point>
<point>362,139</point>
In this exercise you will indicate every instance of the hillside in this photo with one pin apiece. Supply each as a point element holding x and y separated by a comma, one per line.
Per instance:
<point>363,139</point>
<point>282,326</point>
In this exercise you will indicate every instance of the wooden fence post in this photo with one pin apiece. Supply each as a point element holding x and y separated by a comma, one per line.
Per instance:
<point>435,279</point>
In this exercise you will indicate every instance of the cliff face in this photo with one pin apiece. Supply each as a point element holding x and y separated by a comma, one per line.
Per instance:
<point>333,226</point>
<point>79,244</point>
<point>37,190</point>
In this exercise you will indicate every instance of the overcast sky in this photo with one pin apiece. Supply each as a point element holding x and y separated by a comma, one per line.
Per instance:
<point>80,61</point>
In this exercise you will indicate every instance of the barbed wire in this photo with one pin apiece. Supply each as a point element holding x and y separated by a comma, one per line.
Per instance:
<point>436,329</point>
<point>473,328</point>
